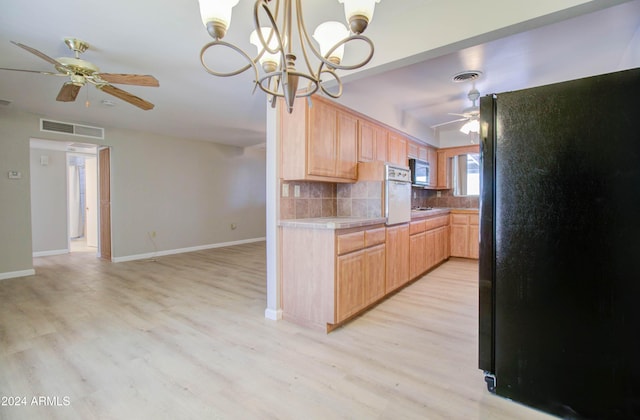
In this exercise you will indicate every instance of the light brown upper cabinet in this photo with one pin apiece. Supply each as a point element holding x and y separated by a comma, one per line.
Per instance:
<point>372,142</point>
<point>397,150</point>
<point>426,154</point>
<point>319,142</point>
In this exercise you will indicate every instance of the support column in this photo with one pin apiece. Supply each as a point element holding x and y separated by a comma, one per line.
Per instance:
<point>274,286</point>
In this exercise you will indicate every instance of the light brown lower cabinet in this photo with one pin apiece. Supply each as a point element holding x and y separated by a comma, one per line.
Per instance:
<point>465,235</point>
<point>397,257</point>
<point>360,280</point>
<point>331,275</point>
<point>428,244</point>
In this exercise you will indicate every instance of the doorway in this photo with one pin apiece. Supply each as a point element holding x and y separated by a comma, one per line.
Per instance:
<point>82,202</point>
<point>68,182</point>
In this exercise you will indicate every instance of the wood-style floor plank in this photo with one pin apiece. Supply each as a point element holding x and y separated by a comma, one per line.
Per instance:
<point>184,337</point>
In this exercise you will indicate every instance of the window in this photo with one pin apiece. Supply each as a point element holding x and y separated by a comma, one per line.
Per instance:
<point>466,174</point>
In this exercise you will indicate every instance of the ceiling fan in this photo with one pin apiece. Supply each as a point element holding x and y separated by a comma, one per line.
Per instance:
<point>80,72</point>
<point>470,115</point>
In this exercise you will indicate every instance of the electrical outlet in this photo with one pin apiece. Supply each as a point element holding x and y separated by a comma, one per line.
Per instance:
<point>439,194</point>
<point>296,190</point>
<point>415,194</point>
<point>285,190</point>
<point>233,226</point>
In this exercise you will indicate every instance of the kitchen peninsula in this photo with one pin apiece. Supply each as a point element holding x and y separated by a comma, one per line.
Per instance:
<point>334,268</point>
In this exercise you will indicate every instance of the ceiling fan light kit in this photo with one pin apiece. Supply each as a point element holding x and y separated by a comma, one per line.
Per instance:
<point>471,114</point>
<point>274,43</point>
<point>80,72</point>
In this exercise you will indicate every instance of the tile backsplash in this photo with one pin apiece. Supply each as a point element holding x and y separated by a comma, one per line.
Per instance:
<point>317,199</point>
<point>324,199</point>
<point>429,198</point>
<point>360,199</point>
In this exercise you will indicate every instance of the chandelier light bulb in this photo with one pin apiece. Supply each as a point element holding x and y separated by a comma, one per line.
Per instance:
<point>359,13</point>
<point>216,16</point>
<point>329,34</point>
<point>268,60</point>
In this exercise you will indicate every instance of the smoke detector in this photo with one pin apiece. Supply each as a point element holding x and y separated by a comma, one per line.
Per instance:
<point>466,76</point>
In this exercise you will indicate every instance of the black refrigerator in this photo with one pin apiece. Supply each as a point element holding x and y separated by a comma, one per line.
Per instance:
<point>559,326</point>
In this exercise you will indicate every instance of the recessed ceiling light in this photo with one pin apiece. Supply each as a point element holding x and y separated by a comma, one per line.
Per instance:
<point>466,76</point>
<point>107,102</point>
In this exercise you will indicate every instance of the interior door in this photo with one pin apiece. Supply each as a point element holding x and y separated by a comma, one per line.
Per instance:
<point>91,200</point>
<point>104,156</point>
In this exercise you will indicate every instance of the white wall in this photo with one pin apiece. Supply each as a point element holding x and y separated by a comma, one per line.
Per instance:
<point>15,211</point>
<point>49,201</point>
<point>188,191</point>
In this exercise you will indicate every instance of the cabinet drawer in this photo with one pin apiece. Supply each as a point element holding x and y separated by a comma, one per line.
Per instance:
<point>417,227</point>
<point>375,236</point>
<point>350,242</point>
<point>459,219</point>
<point>436,222</point>
<point>473,219</point>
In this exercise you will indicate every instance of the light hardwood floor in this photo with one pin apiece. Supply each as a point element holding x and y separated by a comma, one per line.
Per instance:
<point>184,337</point>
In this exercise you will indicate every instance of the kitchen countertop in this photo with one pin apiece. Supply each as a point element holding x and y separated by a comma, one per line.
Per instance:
<point>332,222</point>
<point>352,222</point>
<point>439,211</point>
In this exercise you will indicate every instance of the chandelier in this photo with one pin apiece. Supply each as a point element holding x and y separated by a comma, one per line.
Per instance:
<point>274,42</point>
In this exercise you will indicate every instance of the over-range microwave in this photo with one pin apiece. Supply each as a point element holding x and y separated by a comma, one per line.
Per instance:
<point>419,172</point>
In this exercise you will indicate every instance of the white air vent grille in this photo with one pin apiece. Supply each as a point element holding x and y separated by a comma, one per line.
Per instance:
<point>73,129</point>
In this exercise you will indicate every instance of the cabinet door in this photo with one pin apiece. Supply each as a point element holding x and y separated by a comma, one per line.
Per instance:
<point>349,284</point>
<point>347,146</point>
<point>397,257</point>
<point>442,170</point>
<point>417,262</point>
<point>382,141</point>
<point>459,235</point>
<point>474,238</point>
<point>397,150</point>
<point>374,273</point>
<point>430,248</point>
<point>432,158</point>
<point>366,142</point>
<point>423,154</point>
<point>321,147</point>
<point>412,151</point>
<point>440,245</point>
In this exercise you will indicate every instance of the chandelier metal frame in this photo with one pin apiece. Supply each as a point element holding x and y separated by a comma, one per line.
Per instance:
<point>283,80</point>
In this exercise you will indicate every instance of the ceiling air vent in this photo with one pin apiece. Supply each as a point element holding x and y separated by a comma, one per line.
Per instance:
<point>466,76</point>
<point>72,129</point>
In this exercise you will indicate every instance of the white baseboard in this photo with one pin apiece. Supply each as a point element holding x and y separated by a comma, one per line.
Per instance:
<point>14,274</point>
<point>49,253</point>
<point>273,314</point>
<point>152,255</point>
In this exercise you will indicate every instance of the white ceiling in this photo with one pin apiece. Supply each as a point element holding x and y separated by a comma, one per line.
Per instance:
<point>420,44</point>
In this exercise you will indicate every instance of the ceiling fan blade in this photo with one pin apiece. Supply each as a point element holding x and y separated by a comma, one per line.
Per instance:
<point>130,79</point>
<point>126,96</point>
<point>68,92</point>
<point>449,122</point>
<point>34,71</point>
<point>38,53</point>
